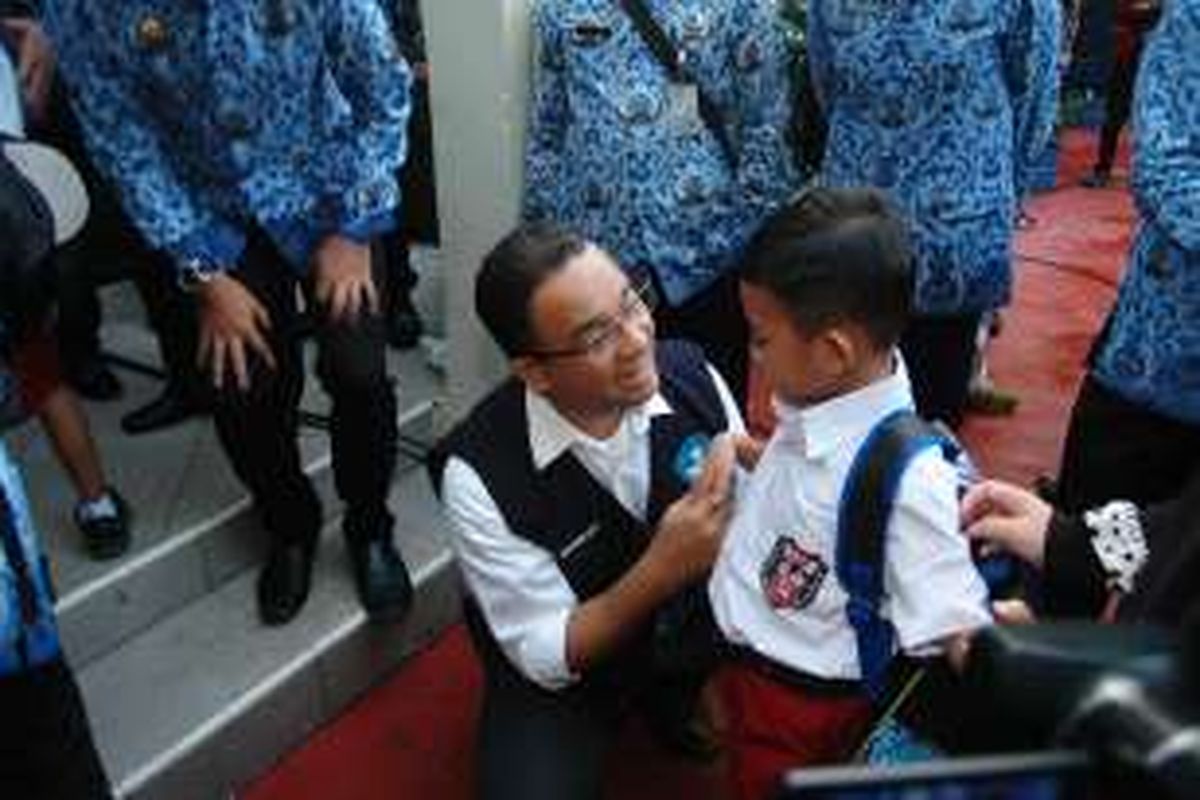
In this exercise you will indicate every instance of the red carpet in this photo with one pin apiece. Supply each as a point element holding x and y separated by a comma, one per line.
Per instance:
<point>412,736</point>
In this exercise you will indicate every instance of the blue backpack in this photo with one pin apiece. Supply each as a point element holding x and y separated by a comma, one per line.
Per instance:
<point>865,509</point>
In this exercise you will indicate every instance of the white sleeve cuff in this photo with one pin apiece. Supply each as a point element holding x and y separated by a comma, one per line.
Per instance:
<point>542,652</point>
<point>1118,542</point>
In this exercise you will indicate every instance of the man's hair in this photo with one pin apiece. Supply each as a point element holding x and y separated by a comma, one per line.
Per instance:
<point>511,273</point>
<point>833,256</point>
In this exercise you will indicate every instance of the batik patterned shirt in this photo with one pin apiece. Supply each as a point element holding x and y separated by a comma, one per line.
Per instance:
<point>213,116</point>
<point>943,104</point>
<point>1151,353</point>
<point>617,151</point>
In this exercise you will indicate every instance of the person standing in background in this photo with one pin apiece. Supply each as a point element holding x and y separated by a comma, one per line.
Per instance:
<point>943,104</point>
<point>659,131</point>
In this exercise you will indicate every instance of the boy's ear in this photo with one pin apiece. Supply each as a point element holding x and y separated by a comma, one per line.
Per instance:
<point>843,346</point>
<point>532,372</point>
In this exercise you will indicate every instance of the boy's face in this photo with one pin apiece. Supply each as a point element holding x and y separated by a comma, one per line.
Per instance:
<point>803,368</point>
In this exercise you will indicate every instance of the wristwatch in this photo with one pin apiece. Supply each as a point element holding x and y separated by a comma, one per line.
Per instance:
<point>195,271</point>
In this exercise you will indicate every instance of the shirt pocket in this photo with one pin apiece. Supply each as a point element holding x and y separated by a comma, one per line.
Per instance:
<point>967,22</point>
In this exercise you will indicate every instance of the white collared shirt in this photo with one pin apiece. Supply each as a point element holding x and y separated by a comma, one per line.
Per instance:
<point>523,595</point>
<point>774,587</point>
<point>12,118</point>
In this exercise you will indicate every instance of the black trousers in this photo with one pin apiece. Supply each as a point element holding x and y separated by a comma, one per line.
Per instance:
<point>258,427</point>
<point>714,320</point>
<point>1117,105</point>
<point>540,745</point>
<point>939,352</point>
<point>110,248</point>
<point>1116,450</point>
<point>46,746</point>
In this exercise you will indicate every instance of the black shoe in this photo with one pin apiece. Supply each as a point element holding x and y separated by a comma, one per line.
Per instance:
<point>404,328</point>
<point>94,380</point>
<point>284,582</point>
<point>169,408</point>
<point>108,536</point>
<point>381,578</point>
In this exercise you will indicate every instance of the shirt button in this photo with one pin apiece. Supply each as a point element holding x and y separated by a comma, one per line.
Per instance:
<point>152,33</point>
<point>234,121</point>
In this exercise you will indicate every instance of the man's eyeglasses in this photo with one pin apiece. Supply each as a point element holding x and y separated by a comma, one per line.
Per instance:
<point>602,335</point>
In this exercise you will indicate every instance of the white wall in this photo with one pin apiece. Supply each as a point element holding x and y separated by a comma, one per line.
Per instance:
<point>479,56</point>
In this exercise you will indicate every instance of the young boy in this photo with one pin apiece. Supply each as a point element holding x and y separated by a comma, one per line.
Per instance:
<point>827,288</point>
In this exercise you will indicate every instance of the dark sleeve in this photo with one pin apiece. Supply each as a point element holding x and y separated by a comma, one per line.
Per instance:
<point>1170,581</point>
<point>1073,583</point>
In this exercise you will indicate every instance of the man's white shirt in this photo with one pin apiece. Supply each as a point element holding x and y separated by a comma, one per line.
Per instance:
<point>774,587</point>
<point>523,595</point>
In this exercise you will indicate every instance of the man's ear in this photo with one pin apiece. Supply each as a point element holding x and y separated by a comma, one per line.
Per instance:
<point>532,372</point>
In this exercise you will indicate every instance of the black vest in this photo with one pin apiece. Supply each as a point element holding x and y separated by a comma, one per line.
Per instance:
<point>563,509</point>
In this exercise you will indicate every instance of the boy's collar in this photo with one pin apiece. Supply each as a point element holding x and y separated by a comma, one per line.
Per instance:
<point>821,428</point>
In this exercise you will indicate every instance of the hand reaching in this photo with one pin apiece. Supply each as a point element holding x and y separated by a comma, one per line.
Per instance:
<point>1009,518</point>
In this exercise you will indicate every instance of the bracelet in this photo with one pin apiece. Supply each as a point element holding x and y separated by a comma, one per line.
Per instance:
<point>1118,542</point>
<point>194,272</point>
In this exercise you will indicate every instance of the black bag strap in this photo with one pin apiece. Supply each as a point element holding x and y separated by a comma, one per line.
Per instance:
<point>674,61</point>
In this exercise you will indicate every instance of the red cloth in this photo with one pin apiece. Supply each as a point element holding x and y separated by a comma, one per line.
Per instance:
<point>770,727</point>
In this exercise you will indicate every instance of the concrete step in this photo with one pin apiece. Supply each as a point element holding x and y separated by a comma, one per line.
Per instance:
<point>193,526</point>
<point>208,698</point>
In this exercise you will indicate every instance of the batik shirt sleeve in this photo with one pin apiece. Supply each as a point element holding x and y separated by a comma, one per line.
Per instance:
<point>548,119</point>
<point>1031,52</point>
<point>1166,173</point>
<point>374,77</point>
<point>765,170</point>
<point>127,145</point>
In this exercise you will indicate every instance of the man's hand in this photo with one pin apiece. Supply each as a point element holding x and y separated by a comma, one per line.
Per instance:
<point>1009,518</point>
<point>232,321</point>
<point>35,63</point>
<point>342,278</point>
<point>690,532</point>
<point>682,550</point>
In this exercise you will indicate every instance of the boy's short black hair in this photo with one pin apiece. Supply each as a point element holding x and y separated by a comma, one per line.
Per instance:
<point>512,272</point>
<point>837,255</point>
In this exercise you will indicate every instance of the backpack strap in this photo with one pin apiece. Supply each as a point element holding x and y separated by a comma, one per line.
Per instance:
<point>863,514</point>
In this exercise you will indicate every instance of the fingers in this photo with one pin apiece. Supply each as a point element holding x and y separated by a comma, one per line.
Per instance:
<point>717,474</point>
<point>218,363</point>
<point>1013,612</point>
<point>237,361</point>
<point>994,497</point>
<point>748,450</point>
<point>372,295</point>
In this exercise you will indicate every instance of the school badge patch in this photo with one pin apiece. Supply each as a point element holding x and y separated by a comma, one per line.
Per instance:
<point>791,576</point>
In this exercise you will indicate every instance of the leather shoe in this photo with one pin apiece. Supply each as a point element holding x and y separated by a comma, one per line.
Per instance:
<point>284,582</point>
<point>169,408</point>
<point>404,328</point>
<point>381,578</point>
<point>94,380</point>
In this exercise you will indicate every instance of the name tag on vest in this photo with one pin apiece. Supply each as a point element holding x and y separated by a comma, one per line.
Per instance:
<point>579,541</point>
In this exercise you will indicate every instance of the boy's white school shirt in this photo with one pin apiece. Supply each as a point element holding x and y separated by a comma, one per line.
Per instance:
<point>774,587</point>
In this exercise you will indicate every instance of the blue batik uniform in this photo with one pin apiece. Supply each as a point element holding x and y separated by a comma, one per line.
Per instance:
<point>215,117</point>
<point>28,637</point>
<point>614,152</point>
<point>1151,353</point>
<point>944,104</point>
